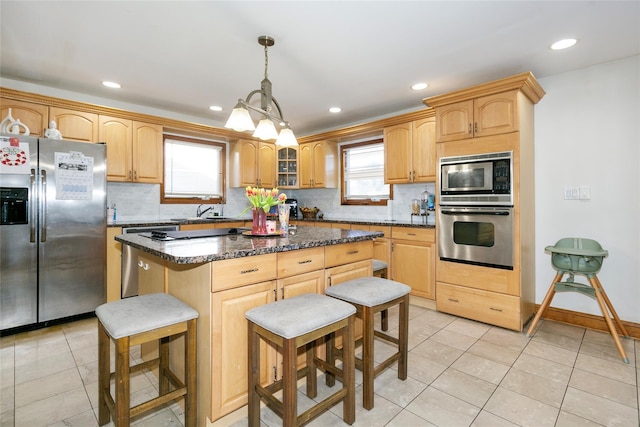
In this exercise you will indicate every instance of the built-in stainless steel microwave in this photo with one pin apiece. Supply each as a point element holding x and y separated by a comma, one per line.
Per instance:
<point>479,179</point>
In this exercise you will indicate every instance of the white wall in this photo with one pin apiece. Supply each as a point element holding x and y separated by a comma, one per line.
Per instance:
<point>587,132</point>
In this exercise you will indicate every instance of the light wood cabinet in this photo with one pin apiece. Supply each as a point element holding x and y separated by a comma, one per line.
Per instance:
<point>75,125</point>
<point>223,291</point>
<point>413,258</point>
<point>492,117</point>
<point>229,346</point>
<point>381,245</point>
<point>489,307</point>
<point>288,167</point>
<point>34,116</point>
<point>410,152</point>
<point>114,264</point>
<point>134,150</point>
<point>118,135</point>
<point>318,165</point>
<point>483,116</point>
<point>252,163</point>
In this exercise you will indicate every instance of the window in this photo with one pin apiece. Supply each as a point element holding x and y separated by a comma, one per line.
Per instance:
<point>194,171</point>
<point>363,174</point>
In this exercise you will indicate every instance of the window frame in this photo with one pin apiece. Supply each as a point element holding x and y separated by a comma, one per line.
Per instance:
<point>359,202</point>
<point>223,170</point>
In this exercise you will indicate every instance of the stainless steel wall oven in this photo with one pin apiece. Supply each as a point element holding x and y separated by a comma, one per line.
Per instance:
<point>475,218</point>
<point>476,235</point>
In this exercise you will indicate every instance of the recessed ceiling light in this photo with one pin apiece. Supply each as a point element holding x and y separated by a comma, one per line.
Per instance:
<point>335,109</point>
<point>563,44</point>
<point>112,85</point>
<point>215,108</point>
<point>419,86</point>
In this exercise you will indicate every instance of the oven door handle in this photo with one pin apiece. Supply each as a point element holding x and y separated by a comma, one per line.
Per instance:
<point>450,212</point>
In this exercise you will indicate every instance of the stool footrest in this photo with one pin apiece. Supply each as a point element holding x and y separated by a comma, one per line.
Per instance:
<point>575,287</point>
<point>160,400</point>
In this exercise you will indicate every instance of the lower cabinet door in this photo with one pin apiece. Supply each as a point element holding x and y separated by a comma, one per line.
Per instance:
<point>229,346</point>
<point>413,264</point>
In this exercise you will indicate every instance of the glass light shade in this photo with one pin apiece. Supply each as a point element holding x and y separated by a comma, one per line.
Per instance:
<point>240,120</point>
<point>286,138</point>
<point>266,130</point>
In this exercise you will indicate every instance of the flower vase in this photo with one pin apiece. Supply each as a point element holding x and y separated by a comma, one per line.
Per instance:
<point>259,225</point>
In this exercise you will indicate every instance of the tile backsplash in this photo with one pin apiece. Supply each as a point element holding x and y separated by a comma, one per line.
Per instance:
<point>142,202</point>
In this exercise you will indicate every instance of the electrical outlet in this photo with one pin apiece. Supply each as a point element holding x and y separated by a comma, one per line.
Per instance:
<point>585,192</point>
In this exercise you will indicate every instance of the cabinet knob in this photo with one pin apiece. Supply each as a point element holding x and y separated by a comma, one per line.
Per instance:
<point>469,131</point>
<point>475,127</point>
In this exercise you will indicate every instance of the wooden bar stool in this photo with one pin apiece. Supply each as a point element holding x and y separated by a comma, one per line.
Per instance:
<point>370,295</point>
<point>583,257</point>
<point>380,269</point>
<point>137,320</point>
<point>290,324</point>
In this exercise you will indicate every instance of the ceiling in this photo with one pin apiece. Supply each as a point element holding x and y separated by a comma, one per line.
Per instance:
<point>362,56</point>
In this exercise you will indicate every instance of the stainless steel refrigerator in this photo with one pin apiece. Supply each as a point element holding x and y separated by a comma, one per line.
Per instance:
<point>52,229</point>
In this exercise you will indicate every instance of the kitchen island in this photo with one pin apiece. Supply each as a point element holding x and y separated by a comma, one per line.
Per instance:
<point>223,277</point>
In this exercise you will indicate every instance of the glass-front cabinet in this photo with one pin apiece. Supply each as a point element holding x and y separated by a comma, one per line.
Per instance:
<point>288,167</point>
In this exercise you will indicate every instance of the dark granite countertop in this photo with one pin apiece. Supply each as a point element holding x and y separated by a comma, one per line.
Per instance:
<point>384,222</point>
<point>194,251</point>
<point>181,221</point>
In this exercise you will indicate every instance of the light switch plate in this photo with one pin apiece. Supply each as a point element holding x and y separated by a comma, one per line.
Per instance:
<point>571,192</point>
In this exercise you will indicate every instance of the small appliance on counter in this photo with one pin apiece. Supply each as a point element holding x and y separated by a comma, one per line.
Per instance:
<point>293,208</point>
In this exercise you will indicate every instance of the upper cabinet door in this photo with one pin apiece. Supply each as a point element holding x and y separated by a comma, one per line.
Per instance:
<point>397,153</point>
<point>483,116</point>
<point>454,121</point>
<point>306,157</point>
<point>147,153</point>
<point>424,150</point>
<point>34,116</point>
<point>496,114</point>
<point>267,165</point>
<point>75,125</point>
<point>117,134</point>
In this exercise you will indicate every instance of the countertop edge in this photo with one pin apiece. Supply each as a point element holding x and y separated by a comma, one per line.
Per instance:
<point>163,248</point>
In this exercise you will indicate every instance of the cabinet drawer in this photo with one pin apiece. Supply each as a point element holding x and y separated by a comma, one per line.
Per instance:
<point>479,277</point>
<point>414,233</point>
<point>232,273</point>
<point>298,262</point>
<point>384,228</point>
<point>489,307</point>
<point>347,253</point>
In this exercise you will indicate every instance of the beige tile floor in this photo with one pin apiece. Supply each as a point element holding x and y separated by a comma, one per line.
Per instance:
<point>461,373</point>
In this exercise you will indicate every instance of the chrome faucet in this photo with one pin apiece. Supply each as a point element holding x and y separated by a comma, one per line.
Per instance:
<point>200,212</point>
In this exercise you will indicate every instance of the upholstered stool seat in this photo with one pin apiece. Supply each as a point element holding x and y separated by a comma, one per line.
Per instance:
<point>584,257</point>
<point>290,324</point>
<point>371,295</point>
<point>379,268</point>
<point>137,320</point>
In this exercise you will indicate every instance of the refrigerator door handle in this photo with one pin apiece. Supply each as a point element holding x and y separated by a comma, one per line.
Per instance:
<point>43,206</point>
<point>32,209</point>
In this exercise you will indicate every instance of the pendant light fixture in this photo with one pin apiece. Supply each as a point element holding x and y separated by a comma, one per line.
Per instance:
<point>240,120</point>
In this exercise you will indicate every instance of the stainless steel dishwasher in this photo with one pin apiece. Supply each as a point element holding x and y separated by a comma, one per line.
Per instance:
<point>130,259</point>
